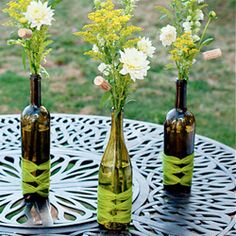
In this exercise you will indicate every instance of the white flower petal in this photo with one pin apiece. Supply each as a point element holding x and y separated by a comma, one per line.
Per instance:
<point>39,14</point>
<point>145,46</point>
<point>105,69</point>
<point>187,26</point>
<point>168,35</point>
<point>199,15</point>
<point>200,1</point>
<point>124,71</point>
<point>135,63</point>
<point>95,48</point>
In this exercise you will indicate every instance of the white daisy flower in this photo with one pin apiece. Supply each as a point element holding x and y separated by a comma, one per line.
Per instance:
<point>199,15</point>
<point>133,1</point>
<point>198,24</point>
<point>195,38</point>
<point>145,46</point>
<point>101,41</point>
<point>187,26</point>
<point>168,35</point>
<point>95,48</point>
<point>39,14</point>
<point>135,63</point>
<point>189,18</point>
<point>104,68</point>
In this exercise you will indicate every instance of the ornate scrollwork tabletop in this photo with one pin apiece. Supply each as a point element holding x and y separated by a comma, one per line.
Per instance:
<point>77,146</point>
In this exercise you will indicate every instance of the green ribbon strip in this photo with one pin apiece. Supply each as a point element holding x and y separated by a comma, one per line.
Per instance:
<point>42,180</point>
<point>114,207</point>
<point>171,167</point>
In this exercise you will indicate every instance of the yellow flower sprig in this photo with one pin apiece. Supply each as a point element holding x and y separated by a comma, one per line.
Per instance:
<point>185,34</point>
<point>31,18</point>
<point>183,52</point>
<point>109,32</point>
<point>15,11</point>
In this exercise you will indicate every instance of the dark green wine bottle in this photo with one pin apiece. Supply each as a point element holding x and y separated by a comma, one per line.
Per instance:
<point>179,136</point>
<point>115,180</point>
<point>35,134</point>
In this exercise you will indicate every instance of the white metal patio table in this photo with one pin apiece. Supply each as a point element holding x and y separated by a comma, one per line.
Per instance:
<point>77,145</point>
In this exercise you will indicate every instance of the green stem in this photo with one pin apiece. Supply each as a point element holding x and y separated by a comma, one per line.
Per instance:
<point>30,55</point>
<point>114,86</point>
<point>119,89</point>
<point>29,59</point>
<point>179,73</point>
<point>122,93</point>
<point>203,34</point>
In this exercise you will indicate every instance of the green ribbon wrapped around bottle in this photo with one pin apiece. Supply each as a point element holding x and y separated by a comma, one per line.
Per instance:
<point>115,207</point>
<point>42,180</point>
<point>173,165</point>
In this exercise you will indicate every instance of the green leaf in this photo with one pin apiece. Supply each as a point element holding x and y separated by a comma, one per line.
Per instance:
<point>44,54</point>
<point>203,6</point>
<point>163,17</point>
<point>24,59</point>
<point>53,3</point>
<point>164,10</point>
<point>44,71</point>
<point>129,100</point>
<point>12,42</point>
<point>169,66</point>
<point>47,43</point>
<point>105,99</point>
<point>206,42</point>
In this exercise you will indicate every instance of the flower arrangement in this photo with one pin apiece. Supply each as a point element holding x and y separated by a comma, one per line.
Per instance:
<point>123,59</point>
<point>184,36</point>
<point>32,18</point>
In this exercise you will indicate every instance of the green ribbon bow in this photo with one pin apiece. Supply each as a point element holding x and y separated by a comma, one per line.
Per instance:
<point>114,207</point>
<point>42,180</point>
<point>171,167</point>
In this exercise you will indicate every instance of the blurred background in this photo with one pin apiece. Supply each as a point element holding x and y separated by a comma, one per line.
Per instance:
<point>70,89</point>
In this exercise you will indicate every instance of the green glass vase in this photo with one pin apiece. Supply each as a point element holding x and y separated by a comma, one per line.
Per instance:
<point>179,136</point>
<point>115,180</point>
<point>35,137</point>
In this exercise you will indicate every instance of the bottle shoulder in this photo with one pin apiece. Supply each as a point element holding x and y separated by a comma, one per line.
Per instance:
<point>33,110</point>
<point>33,113</point>
<point>178,116</point>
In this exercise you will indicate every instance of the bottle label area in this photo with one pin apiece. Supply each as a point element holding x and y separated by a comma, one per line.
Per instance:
<point>178,171</point>
<point>113,207</point>
<point>33,182</point>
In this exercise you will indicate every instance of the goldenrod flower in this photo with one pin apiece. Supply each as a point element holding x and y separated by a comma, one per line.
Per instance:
<point>123,59</point>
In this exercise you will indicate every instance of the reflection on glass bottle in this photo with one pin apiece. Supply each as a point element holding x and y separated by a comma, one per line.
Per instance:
<point>115,180</point>
<point>35,134</point>
<point>179,135</point>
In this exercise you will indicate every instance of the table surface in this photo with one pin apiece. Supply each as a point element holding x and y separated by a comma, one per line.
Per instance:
<point>77,146</point>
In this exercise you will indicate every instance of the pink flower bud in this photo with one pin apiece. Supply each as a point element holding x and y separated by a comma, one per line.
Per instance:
<point>212,54</point>
<point>25,33</point>
<point>102,83</point>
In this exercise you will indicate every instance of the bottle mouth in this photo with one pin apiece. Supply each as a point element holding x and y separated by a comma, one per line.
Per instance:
<point>35,76</point>
<point>181,81</point>
<point>114,110</point>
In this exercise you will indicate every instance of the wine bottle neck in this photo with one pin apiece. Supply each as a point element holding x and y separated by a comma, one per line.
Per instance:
<point>181,95</point>
<point>35,90</point>
<point>117,124</point>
